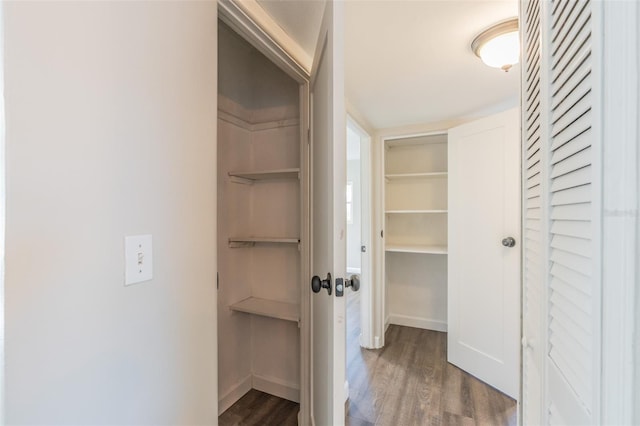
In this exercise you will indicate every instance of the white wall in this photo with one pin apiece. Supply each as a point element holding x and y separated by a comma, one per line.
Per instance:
<point>111,131</point>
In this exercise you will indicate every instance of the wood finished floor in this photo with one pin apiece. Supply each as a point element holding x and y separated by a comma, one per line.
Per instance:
<point>408,382</point>
<point>257,408</point>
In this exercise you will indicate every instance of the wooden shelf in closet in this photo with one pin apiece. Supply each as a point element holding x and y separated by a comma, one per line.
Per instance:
<point>416,248</point>
<point>286,311</point>
<point>260,175</point>
<point>400,176</point>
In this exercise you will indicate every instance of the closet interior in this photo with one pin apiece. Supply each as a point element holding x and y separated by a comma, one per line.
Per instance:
<point>259,224</point>
<point>415,202</point>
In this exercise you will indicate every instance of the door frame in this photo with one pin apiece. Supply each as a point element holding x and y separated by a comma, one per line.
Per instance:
<point>367,235</point>
<point>285,54</point>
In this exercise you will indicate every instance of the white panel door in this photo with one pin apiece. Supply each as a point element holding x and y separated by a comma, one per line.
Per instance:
<point>484,274</point>
<point>328,218</point>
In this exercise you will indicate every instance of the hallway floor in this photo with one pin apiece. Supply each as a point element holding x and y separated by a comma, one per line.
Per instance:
<point>410,382</point>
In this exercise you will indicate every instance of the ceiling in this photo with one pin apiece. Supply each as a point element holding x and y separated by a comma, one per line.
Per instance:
<point>410,62</point>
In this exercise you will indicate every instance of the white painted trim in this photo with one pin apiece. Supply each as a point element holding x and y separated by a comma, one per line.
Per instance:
<point>279,36</point>
<point>354,115</point>
<point>306,358</point>
<point>620,251</point>
<point>346,390</point>
<point>3,201</point>
<point>367,298</point>
<point>274,386</point>
<point>381,321</point>
<point>420,129</point>
<point>598,146</point>
<point>418,322</point>
<point>236,392</point>
<point>415,135</point>
<point>252,22</point>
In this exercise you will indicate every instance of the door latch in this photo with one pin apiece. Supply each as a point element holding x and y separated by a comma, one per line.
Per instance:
<point>339,287</point>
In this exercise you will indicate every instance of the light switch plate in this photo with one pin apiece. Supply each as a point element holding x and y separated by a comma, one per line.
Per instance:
<point>138,258</point>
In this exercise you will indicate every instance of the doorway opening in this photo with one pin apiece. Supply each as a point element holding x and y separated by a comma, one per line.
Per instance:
<point>358,205</point>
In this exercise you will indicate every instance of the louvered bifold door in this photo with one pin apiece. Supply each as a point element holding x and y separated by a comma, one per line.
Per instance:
<point>533,234</point>
<point>573,292</point>
<point>562,221</point>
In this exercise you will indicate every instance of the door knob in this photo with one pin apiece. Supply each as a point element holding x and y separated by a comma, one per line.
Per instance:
<point>354,282</point>
<point>317,284</point>
<point>509,242</point>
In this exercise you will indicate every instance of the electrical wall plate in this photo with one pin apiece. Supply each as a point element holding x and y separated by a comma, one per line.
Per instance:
<point>138,257</point>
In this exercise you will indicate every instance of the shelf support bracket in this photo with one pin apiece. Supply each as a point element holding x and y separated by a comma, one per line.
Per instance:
<point>243,181</point>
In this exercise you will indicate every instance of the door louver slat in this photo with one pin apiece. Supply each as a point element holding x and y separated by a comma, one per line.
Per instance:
<point>580,246</point>
<point>575,195</point>
<point>576,178</point>
<point>574,228</point>
<point>573,212</point>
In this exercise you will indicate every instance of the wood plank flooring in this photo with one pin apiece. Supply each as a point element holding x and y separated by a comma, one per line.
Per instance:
<point>259,408</point>
<point>408,382</point>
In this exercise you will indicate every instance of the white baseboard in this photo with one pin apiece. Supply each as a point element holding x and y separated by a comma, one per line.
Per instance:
<point>276,387</point>
<point>346,390</point>
<point>418,322</point>
<point>353,270</point>
<point>386,323</point>
<point>237,391</point>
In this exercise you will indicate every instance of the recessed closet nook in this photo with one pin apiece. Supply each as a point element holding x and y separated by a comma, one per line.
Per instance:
<point>260,244</point>
<point>415,198</point>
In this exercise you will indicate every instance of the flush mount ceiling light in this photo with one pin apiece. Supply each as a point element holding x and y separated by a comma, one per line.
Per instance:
<point>499,45</point>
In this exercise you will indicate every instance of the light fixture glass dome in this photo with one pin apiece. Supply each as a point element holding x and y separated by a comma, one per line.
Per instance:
<point>499,46</point>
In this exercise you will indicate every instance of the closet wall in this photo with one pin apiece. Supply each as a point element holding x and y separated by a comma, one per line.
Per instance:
<point>259,202</point>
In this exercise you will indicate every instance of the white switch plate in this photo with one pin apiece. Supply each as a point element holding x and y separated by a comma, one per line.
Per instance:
<point>138,258</point>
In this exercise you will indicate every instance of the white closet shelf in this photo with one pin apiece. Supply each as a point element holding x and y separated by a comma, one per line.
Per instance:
<point>398,176</point>
<point>265,240</point>
<point>414,211</point>
<point>416,248</point>
<point>268,308</point>
<point>259,175</point>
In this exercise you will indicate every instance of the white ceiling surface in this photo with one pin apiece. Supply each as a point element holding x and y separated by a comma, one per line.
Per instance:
<point>410,62</point>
